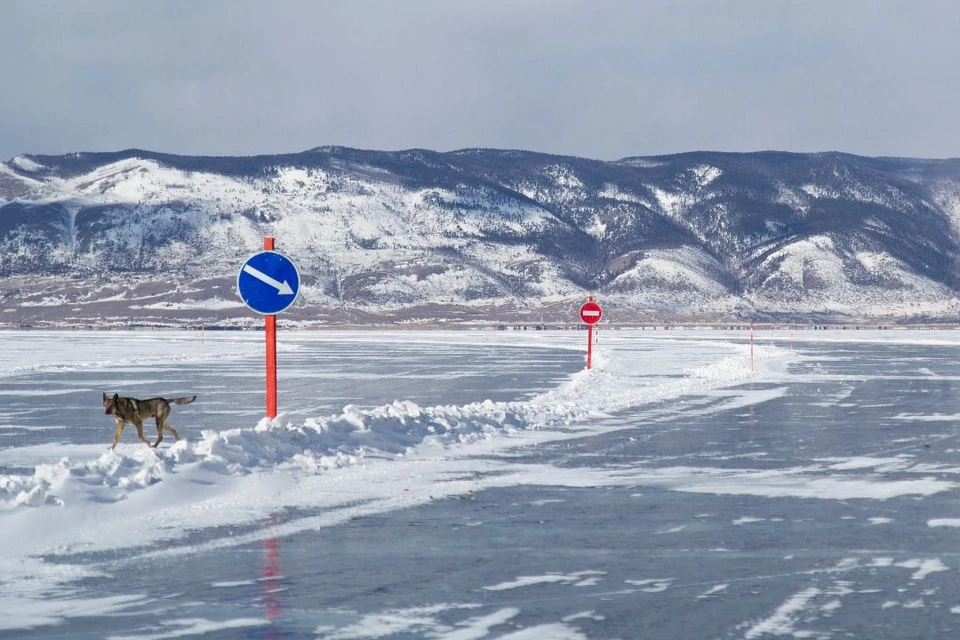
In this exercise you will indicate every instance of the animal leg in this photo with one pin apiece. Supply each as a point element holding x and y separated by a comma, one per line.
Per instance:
<point>159,432</point>
<point>161,425</point>
<point>139,425</point>
<point>163,414</point>
<point>116,438</point>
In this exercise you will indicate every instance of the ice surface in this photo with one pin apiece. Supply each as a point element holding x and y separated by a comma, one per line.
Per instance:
<point>670,477</point>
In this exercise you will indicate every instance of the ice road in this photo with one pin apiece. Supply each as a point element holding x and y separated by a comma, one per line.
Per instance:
<point>482,485</point>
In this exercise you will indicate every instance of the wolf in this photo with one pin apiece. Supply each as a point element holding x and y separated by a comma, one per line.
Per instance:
<point>136,411</point>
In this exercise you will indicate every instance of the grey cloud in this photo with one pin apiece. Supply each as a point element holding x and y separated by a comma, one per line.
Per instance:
<point>599,79</point>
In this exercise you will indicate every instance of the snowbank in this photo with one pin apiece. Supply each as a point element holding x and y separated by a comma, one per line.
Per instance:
<point>391,430</point>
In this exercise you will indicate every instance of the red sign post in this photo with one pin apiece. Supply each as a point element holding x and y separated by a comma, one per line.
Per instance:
<point>590,314</point>
<point>270,329</point>
<point>268,283</point>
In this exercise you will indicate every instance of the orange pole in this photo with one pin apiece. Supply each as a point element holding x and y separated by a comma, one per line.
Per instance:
<point>270,330</point>
<point>589,344</point>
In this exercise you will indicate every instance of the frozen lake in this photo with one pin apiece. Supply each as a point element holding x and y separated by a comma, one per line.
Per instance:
<point>480,485</point>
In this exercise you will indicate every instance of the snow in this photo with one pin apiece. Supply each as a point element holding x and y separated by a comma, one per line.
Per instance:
<point>815,257</point>
<point>614,192</point>
<point>705,174</point>
<point>211,304</point>
<point>946,194</point>
<point>813,270</point>
<point>22,186</point>
<point>379,245</point>
<point>193,627</point>
<point>651,585</point>
<point>672,204</point>
<point>26,164</point>
<point>401,454</point>
<point>713,591</point>
<point>356,210</point>
<point>678,275</point>
<point>798,483</point>
<point>924,567</point>
<point>115,499</point>
<point>422,619</point>
<point>848,189</point>
<point>784,619</point>
<point>794,200</point>
<point>944,522</point>
<point>576,579</point>
<point>341,440</point>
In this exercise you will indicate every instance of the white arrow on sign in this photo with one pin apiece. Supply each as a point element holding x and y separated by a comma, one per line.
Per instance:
<point>282,288</point>
<point>591,314</point>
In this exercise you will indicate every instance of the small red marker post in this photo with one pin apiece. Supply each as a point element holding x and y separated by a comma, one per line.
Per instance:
<point>590,314</point>
<point>270,331</point>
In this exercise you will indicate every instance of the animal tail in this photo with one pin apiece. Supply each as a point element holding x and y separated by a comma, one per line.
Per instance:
<point>186,400</point>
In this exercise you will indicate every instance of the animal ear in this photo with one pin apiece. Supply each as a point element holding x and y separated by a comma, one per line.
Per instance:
<point>104,397</point>
<point>116,397</point>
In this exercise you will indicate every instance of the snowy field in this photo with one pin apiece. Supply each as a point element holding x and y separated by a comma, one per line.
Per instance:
<point>466,485</point>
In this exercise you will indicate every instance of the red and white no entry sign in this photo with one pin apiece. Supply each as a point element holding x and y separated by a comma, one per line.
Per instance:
<point>591,312</point>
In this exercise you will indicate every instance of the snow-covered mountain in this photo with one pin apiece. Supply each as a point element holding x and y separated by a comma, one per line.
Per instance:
<point>480,235</point>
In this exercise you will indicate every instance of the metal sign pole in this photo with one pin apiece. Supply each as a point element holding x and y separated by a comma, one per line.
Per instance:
<point>589,345</point>
<point>270,331</point>
<point>268,283</point>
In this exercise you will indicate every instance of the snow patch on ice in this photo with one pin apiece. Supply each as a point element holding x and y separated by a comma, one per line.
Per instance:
<point>419,620</point>
<point>784,619</point>
<point>713,591</point>
<point>928,417</point>
<point>944,522</point>
<point>924,567</point>
<point>578,579</point>
<point>35,609</point>
<point>651,585</point>
<point>192,627</point>
<point>554,631</point>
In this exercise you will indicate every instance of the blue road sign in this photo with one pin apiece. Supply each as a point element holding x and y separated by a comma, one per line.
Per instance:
<point>268,282</point>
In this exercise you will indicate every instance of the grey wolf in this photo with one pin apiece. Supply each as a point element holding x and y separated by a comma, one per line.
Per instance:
<point>136,411</point>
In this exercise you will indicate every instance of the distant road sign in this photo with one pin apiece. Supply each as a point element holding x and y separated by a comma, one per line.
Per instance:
<point>268,282</point>
<point>591,312</point>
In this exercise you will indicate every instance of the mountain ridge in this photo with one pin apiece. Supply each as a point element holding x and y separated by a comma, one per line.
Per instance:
<point>481,235</point>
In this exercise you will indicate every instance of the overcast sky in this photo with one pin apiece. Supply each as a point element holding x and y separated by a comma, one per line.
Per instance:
<point>599,79</point>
